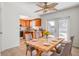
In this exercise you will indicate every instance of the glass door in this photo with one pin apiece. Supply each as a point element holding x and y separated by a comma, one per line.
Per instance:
<point>63,28</point>
<point>53,27</point>
<point>59,27</point>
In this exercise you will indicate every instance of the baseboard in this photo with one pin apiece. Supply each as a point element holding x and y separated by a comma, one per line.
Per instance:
<point>10,47</point>
<point>0,49</point>
<point>76,47</point>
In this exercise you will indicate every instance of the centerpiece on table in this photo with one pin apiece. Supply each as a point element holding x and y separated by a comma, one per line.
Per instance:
<point>46,33</point>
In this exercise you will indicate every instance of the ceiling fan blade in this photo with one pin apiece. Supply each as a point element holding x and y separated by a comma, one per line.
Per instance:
<point>39,10</point>
<point>53,9</point>
<point>52,5</point>
<point>40,6</point>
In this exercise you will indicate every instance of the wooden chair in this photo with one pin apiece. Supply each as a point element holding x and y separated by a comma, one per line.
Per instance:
<point>28,48</point>
<point>38,34</point>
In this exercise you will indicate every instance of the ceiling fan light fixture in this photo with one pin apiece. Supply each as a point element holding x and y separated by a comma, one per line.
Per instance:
<point>45,7</point>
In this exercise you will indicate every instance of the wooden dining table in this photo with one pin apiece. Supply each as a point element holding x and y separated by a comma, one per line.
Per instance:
<point>44,46</point>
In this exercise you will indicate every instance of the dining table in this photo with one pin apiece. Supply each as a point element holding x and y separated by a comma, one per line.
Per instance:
<point>43,45</point>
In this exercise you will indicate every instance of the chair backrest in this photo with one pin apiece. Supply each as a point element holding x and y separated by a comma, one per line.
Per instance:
<point>71,38</point>
<point>38,34</point>
<point>66,51</point>
<point>28,36</point>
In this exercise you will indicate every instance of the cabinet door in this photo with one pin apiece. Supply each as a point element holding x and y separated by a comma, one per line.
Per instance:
<point>23,23</point>
<point>37,22</point>
<point>26,23</point>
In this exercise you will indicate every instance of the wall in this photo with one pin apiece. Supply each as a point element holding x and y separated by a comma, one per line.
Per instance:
<point>10,27</point>
<point>10,22</point>
<point>0,28</point>
<point>74,21</point>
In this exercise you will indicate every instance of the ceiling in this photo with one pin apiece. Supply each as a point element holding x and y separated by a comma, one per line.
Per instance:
<point>60,6</point>
<point>29,8</point>
<point>64,5</point>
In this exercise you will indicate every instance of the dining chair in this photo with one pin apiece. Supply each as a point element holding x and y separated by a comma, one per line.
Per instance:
<point>38,34</point>
<point>58,48</point>
<point>65,51</point>
<point>63,44</point>
<point>72,38</point>
<point>28,48</point>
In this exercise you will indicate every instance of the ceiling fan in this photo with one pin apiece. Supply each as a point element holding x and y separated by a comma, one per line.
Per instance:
<point>45,7</point>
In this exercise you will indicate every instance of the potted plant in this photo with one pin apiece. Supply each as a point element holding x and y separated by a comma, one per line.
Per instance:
<point>46,33</point>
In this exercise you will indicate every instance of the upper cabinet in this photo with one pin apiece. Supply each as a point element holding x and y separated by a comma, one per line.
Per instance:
<point>37,22</point>
<point>29,23</point>
<point>25,23</point>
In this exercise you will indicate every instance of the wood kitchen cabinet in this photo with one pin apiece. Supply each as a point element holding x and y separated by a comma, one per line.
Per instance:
<point>25,23</point>
<point>37,22</point>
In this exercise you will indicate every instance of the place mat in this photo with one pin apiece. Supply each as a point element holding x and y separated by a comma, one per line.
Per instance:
<point>46,44</point>
<point>54,40</point>
<point>42,40</point>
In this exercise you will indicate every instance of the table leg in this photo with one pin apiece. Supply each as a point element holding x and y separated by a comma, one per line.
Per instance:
<point>38,52</point>
<point>26,52</point>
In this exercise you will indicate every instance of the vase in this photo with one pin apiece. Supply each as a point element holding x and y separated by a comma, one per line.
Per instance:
<point>46,36</point>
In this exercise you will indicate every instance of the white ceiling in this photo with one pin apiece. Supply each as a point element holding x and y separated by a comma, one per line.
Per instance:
<point>64,5</point>
<point>60,6</point>
<point>29,8</point>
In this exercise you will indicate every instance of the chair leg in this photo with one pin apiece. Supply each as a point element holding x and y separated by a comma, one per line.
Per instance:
<point>71,54</point>
<point>31,52</point>
<point>26,52</point>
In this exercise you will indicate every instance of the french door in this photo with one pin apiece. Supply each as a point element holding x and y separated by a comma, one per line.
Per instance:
<point>53,27</point>
<point>59,27</point>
